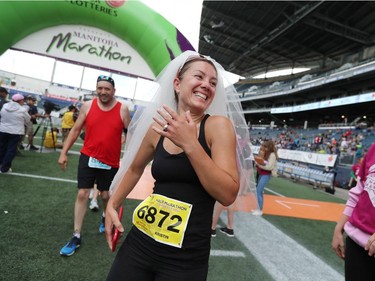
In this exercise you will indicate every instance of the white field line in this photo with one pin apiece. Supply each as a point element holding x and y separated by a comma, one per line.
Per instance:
<point>221,253</point>
<point>280,255</point>
<point>41,177</point>
<point>274,192</point>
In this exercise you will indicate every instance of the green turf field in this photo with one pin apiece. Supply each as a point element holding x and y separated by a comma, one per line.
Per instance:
<point>37,219</point>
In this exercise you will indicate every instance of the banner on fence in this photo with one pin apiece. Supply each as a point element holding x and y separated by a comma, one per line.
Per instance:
<point>328,160</point>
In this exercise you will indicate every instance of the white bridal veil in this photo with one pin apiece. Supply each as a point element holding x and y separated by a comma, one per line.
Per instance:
<point>225,103</point>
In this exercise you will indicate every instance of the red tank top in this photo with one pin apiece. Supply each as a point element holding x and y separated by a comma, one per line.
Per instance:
<point>103,134</point>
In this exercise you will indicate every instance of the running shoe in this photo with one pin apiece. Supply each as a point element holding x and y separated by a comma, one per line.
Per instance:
<point>33,147</point>
<point>70,247</point>
<point>6,172</point>
<point>256,212</point>
<point>227,231</point>
<point>94,205</point>
<point>213,232</point>
<point>102,225</point>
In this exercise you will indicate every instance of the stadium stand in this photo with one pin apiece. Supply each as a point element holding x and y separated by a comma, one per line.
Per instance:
<point>316,177</point>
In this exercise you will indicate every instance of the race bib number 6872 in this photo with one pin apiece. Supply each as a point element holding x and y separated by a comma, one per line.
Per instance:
<point>163,219</point>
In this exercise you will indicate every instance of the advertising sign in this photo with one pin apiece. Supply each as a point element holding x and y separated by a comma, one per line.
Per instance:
<point>89,46</point>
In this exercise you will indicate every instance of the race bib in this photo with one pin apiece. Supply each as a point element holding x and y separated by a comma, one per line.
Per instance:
<point>95,163</point>
<point>163,219</point>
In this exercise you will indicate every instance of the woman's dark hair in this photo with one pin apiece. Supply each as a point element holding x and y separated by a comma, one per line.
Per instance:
<point>190,60</point>
<point>270,147</point>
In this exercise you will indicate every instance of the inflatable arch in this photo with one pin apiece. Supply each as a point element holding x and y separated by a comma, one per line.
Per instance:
<point>151,35</point>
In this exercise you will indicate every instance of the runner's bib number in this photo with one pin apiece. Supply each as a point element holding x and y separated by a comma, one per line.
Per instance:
<point>95,163</point>
<point>163,219</point>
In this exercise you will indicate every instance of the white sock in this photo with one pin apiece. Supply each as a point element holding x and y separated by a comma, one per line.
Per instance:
<point>77,234</point>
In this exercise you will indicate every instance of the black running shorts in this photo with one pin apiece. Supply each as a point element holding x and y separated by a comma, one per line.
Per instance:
<point>87,176</point>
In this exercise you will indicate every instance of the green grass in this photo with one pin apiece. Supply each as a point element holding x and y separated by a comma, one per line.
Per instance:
<point>314,235</point>
<point>39,221</point>
<point>234,268</point>
<point>292,189</point>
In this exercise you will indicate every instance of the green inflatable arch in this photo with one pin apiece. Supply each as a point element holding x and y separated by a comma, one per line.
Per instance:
<point>154,38</point>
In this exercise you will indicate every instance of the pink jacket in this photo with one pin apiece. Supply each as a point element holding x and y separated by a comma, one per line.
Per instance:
<point>360,207</point>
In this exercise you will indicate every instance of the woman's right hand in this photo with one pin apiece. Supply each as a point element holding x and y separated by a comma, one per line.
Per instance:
<point>112,220</point>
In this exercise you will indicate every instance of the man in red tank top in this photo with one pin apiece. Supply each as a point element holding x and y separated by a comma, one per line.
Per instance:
<point>104,119</point>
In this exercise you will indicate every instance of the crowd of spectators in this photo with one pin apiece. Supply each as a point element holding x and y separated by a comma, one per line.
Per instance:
<point>343,142</point>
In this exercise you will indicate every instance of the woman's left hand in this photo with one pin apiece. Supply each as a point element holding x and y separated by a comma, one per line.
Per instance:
<point>179,129</point>
<point>370,246</point>
<point>338,243</point>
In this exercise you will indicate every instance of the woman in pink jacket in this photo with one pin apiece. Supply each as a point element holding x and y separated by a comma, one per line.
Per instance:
<point>358,222</point>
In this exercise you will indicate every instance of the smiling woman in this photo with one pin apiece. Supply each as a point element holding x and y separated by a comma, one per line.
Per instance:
<point>188,131</point>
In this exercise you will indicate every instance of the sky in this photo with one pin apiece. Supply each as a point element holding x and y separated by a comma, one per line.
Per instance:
<point>185,15</point>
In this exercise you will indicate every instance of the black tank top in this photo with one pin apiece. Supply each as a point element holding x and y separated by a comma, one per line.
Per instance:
<point>175,178</point>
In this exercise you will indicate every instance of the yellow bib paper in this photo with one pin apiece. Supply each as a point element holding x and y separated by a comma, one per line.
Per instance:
<point>163,219</point>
